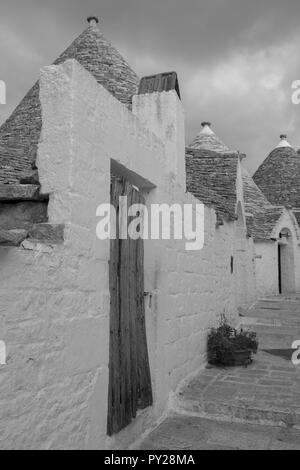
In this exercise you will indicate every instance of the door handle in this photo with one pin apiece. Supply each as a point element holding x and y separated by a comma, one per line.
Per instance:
<point>149,294</point>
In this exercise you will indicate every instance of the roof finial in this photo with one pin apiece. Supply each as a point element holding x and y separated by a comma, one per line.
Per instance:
<point>206,128</point>
<point>93,20</point>
<point>283,141</point>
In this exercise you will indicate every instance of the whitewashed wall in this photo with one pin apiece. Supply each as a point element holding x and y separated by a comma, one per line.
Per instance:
<point>266,266</point>
<point>54,305</point>
<point>266,262</point>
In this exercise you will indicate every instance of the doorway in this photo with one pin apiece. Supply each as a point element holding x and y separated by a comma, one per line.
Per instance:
<point>286,263</point>
<point>129,370</point>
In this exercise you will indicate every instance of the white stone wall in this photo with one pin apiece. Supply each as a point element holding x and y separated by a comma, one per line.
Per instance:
<point>54,304</point>
<point>190,291</point>
<point>54,321</point>
<point>266,262</point>
<point>266,267</point>
<point>297,262</point>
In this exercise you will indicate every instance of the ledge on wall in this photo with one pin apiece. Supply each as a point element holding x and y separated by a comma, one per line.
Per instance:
<point>12,237</point>
<point>51,234</point>
<point>21,192</point>
<point>31,177</point>
<point>23,214</point>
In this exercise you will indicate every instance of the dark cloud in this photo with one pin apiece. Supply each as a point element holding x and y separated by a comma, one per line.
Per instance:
<point>236,59</point>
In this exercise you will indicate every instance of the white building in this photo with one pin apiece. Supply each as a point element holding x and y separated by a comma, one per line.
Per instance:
<point>86,366</point>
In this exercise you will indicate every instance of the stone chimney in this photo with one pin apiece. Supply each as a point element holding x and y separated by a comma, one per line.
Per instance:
<point>162,113</point>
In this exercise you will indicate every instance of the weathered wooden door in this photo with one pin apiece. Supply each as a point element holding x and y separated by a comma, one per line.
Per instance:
<point>129,371</point>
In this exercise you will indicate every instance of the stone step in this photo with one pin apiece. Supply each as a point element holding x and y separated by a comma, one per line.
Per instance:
<point>183,432</point>
<point>266,392</point>
<point>276,341</point>
<point>276,314</point>
<point>264,327</point>
<point>269,404</point>
<point>279,304</point>
<point>265,313</point>
<point>272,333</point>
<point>255,413</point>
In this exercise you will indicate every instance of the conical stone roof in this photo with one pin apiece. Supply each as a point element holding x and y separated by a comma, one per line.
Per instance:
<point>255,200</point>
<point>20,134</point>
<point>208,140</point>
<point>211,171</point>
<point>261,215</point>
<point>278,176</point>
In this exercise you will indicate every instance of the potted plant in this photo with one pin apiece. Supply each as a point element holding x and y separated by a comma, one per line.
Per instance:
<point>226,346</point>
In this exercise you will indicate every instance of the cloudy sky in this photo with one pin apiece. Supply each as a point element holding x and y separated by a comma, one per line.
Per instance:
<point>236,59</point>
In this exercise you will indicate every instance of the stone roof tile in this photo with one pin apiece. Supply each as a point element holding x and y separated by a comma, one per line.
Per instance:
<point>211,177</point>
<point>297,216</point>
<point>255,200</point>
<point>208,140</point>
<point>260,225</point>
<point>278,177</point>
<point>261,215</point>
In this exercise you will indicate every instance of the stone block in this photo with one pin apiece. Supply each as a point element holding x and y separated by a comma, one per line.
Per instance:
<point>48,233</point>
<point>21,215</point>
<point>31,177</point>
<point>20,192</point>
<point>12,237</point>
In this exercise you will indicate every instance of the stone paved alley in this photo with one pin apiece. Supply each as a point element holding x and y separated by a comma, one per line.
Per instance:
<point>257,407</point>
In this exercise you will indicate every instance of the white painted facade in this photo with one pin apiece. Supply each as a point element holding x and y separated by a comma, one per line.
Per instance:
<point>54,302</point>
<point>267,263</point>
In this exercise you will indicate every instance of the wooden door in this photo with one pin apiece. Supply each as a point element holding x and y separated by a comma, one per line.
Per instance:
<point>279,270</point>
<point>129,371</point>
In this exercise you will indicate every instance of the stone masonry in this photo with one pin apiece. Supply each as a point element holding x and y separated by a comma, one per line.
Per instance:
<point>54,300</point>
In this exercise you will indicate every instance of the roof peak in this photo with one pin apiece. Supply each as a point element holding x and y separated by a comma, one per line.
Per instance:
<point>208,140</point>
<point>283,142</point>
<point>100,58</point>
<point>93,20</point>
<point>206,129</point>
<point>278,175</point>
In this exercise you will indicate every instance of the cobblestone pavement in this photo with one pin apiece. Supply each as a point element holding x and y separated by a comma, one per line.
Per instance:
<point>257,407</point>
<point>183,432</point>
